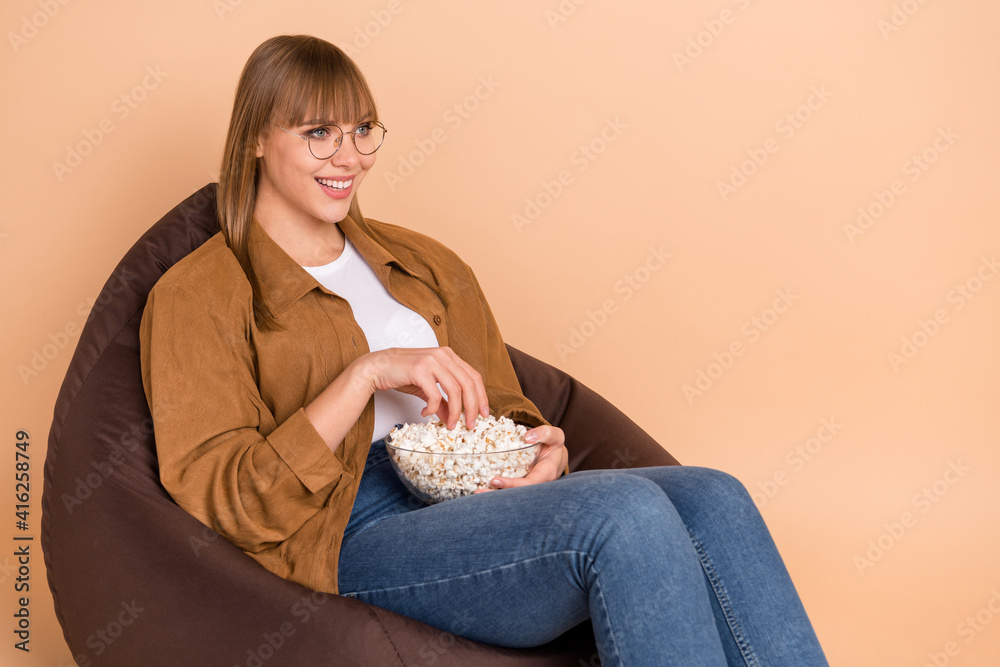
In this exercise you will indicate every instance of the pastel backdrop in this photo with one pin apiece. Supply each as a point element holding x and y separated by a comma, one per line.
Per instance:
<point>767,231</point>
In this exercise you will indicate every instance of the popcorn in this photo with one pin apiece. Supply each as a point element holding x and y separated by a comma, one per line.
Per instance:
<point>437,463</point>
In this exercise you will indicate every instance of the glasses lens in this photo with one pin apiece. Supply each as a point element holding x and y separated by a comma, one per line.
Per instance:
<point>324,141</point>
<point>368,137</point>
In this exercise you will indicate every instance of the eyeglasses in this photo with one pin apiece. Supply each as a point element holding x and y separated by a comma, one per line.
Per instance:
<point>325,141</point>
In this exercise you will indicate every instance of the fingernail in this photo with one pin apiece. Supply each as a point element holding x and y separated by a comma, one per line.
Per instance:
<point>497,483</point>
<point>531,437</point>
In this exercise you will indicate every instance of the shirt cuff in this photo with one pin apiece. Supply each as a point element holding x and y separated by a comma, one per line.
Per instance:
<point>303,450</point>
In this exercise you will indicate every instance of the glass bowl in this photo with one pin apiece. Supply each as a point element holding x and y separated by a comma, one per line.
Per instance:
<point>436,476</point>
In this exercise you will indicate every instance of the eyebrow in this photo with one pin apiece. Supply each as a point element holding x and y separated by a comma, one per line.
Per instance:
<point>323,121</point>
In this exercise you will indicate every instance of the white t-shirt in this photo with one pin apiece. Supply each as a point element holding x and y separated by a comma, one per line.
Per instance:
<point>385,322</point>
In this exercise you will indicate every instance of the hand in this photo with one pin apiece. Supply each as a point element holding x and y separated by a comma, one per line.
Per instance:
<point>550,464</point>
<point>419,371</point>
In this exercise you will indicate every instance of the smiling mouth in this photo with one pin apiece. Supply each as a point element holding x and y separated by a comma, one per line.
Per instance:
<point>335,185</point>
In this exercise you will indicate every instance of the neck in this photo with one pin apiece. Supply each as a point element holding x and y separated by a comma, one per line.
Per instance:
<point>309,243</point>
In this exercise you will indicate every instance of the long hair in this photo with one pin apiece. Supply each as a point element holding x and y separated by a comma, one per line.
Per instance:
<point>286,78</point>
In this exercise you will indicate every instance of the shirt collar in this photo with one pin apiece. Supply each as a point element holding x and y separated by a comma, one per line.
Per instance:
<point>283,282</point>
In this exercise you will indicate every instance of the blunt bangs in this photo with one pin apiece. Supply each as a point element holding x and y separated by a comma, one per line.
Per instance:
<point>320,81</point>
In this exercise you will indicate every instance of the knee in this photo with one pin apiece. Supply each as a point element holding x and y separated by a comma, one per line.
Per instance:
<point>623,500</point>
<point>719,483</point>
<point>715,490</point>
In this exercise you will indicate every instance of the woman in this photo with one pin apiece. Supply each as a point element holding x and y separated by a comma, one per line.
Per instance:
<point>285,348</point>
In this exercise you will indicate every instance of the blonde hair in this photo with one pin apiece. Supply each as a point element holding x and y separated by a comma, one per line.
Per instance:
<point>285,79</point>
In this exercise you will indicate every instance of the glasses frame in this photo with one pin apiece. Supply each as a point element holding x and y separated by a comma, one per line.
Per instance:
<point>342,135</point>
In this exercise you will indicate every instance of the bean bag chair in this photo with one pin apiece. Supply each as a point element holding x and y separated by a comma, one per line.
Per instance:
<point>136,581</point>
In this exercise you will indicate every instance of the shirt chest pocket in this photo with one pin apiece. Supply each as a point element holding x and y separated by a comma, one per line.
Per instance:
<point>305,353</point>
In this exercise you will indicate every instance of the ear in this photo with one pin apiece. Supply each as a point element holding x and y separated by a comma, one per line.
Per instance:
<point>262,139</point>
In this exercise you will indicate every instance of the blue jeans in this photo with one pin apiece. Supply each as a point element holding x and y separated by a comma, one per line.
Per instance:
<point>672,565</point>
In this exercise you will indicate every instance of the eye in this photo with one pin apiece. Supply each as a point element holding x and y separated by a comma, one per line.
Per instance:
<point>363,130</point>
<point>320,133</point>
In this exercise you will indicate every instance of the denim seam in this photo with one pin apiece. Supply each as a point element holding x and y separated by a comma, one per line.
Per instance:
<point>606,621</point>
<point>725,604</point>
<point>463,576</point>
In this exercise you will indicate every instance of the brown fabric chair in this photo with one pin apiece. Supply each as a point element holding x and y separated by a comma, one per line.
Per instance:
<point>138,581</point>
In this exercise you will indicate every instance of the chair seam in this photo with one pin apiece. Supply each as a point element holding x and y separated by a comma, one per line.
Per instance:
<point>371,610</point>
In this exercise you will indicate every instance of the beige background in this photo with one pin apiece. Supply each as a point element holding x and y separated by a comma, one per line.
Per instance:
<point>672,98</point>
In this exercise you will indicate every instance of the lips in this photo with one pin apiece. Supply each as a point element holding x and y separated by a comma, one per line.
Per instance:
<point>337,188</point>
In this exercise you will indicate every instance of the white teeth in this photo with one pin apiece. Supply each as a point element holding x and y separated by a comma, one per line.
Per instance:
<point>336,185</point>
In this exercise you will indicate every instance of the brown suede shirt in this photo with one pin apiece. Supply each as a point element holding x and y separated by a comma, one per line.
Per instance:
<point>235,448</point>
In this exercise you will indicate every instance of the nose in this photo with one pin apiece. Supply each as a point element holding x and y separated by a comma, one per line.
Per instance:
<point>347,155</point>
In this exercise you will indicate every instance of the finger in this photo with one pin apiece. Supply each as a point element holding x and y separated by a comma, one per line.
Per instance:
<point>468,386</point>
<point>434,400</point>
<point>545,470</point>
<point>545,434</point>
<point>474,399</point>
<point>473,396</point>
<point>428,376</point>
<point>453,406</point>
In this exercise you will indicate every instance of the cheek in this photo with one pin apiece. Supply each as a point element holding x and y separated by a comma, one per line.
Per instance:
<point>367,163</point>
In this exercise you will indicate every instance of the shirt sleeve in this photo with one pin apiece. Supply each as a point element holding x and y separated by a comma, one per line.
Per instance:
<point>222,456</point>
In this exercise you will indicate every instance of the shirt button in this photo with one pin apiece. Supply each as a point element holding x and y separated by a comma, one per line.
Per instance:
<point>437,319</point>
